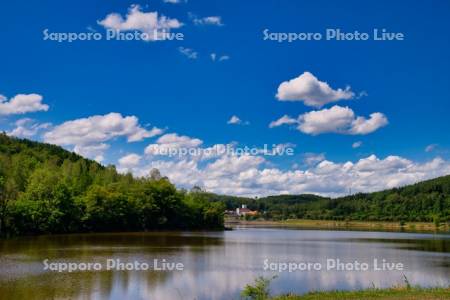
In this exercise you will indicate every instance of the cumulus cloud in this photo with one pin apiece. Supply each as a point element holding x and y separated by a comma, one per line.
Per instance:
<point>313,158</point>
<point>311,91</point>
<point>362,125</point>
<point>211,20</point>
<point>98,128</point>
<point>231,164</point>
<point>248,175</point>
<point>171,142</point>
<point>188,52</point>
<point>284,120</point>
<point>336,119</point>
<point>88,135</point>
<point>357,144</point>
<point>28,128</point>
<point>176,140</point>
<point>21,104</point>
<point>94,151</point>
<point>151,23</point>
<point>235,120</point>
<point>254,175</point>
<point>129,161</point>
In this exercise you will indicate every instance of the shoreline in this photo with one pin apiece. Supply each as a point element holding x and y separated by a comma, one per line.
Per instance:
<point>260,290</point>
<point>411,293</point>
<point>230,224</point>
<point>427,227</point>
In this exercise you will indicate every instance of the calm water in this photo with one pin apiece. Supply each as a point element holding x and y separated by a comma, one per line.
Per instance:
<point>217,265</point>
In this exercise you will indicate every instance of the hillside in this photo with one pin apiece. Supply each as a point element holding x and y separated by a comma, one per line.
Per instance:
<point>46,189</point>
<point>424,201</point>
<point>427,201</point>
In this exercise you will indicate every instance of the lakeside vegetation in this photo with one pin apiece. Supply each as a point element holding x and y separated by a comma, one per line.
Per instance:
<point>46,189</point>
<point>380,294</point>
<point>427,201</point>
<point>260,290</point>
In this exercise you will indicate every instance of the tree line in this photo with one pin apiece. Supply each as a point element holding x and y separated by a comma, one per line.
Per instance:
<point>46,189</point>
<point>427,201</point>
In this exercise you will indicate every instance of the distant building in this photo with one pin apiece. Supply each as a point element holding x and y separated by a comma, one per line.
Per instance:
<point>244,211</point>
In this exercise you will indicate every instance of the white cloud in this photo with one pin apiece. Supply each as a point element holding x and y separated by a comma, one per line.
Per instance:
<point>179,140</point>
<point>357,144</point>
<point>313,158</point>
<point>233,164</point>
<point>146,22</point>
<point>188,52</point>
<point>88,135</point>
<point>98,128</point>
<point>21,104</point>
<point>362,94</point>
<point>224,57</point>
<point>362,125</point>
<point>211,20</point>
<point>234,120</point>
<point>431,147</point>
<point>170,142</point>
<point>284,120</point>
<point>175,1</point>
<point>95,151</point>
<point>184,173</point>
<point>254,175</point>
<point>142,133</point>
<point>250,176</point>
<point>215,57</point>
<point>336,119</point>
<point>129,161</point>
<point>28,128</point>
<point>341,120</point>
<point>311,91</point>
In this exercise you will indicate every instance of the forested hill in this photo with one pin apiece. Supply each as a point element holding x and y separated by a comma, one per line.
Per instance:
<point>424,201</point>
<point>46,189</point>
<point>427,201</point>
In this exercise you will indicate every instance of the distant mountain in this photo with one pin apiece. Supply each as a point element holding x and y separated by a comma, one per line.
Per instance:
<point>427,201</point>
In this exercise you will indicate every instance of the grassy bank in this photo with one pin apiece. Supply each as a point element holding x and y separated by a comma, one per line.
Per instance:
<point>260,290</point>
<point>392,293</point>
<point>351,225</point>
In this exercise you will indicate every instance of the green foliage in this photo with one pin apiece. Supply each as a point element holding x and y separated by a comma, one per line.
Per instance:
<point>259,290</point>
<point>46,189</point>
<point>427,201</point>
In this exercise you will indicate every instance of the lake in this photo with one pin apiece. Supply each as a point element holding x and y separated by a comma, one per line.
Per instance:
<point>217,265</point>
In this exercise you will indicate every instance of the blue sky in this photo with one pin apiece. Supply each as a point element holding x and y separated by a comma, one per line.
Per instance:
<point>407,82</point>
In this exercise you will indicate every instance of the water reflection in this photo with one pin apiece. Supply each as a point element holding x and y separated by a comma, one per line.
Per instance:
<point>217,264</point>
